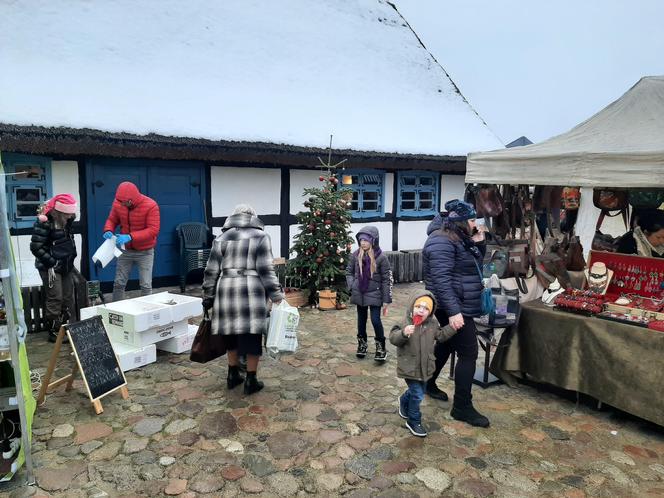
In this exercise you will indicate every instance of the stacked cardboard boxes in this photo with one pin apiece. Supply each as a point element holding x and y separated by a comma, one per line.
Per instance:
<point>138,327</point>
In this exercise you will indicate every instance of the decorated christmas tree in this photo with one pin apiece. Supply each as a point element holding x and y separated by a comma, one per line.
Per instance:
<point>322,247</point>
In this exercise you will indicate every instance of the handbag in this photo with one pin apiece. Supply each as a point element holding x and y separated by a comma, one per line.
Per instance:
<point>487,200</point>
<point>574,255</point>
<point>206,346</point>
<point>646,199</point>
<point>487,304</point>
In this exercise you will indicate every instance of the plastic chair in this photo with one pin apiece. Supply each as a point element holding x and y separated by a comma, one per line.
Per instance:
<point>194,248</point>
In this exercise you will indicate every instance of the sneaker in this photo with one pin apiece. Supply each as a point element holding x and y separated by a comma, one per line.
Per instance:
<point>361,348</point>
<point>470,416</point>
<point>416,429</point>
<point>402,412</point>
<point>435,393</point>
<point>14,445</point>
<point>381,352</point>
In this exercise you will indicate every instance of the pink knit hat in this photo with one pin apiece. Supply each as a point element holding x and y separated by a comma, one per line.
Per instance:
<point>65,203</point>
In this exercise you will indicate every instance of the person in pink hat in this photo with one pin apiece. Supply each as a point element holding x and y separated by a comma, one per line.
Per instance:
<point>53,246</point>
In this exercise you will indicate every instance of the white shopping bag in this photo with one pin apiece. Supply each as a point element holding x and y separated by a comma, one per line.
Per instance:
<point>106,252</point>
<point>282,332</point>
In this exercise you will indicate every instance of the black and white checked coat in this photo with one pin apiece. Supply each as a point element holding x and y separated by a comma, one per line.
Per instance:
<point>240,302</point>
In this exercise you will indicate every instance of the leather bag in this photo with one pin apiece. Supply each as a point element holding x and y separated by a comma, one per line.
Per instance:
<point>487,200</point>
<point>610,199</point>
<point>646,199</point>
<point>206,346</point>
<point>574,255</point>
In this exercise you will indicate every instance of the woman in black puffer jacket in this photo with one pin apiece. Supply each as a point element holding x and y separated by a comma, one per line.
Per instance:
<point>54,249</point>
<point>452,256</point>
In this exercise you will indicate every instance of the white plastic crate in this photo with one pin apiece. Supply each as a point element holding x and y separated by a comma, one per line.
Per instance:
<point>146,337</point>
<point>180,343</point>
<point>181,307</point>
<point>131,357</point>
<point>134,316</point>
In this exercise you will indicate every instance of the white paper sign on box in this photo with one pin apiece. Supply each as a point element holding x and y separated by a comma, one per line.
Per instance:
<point>131,357</point>
<point>134,315</point>
<point>179,343</point>
<point>145,337</point>
<point>181,306</point>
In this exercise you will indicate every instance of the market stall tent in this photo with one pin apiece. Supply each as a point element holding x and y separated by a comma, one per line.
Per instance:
<point>620,146</point>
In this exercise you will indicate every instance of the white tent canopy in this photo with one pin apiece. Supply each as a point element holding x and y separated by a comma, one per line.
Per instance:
<point>620,146</point>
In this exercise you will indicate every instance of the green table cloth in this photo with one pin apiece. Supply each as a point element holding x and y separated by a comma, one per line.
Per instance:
<point>619,364</point>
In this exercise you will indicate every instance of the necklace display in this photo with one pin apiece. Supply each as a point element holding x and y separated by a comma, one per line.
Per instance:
<point>640,278</point>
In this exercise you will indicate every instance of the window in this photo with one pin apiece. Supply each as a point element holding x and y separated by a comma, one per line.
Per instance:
<point>367,188</point>
<point>28,186</point>
<point>418,193</point>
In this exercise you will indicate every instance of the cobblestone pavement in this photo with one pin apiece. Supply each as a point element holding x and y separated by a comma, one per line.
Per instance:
<point>326,425</point>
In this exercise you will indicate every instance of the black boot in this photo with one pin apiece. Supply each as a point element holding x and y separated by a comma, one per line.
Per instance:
<point>252,384</point>
<point>234,378</point>
<point>54,330</point>
<point>469,415</point>
<point>242,363</point>
<point>434,392</point>
<point>361,347</point>
<point>381,352</point>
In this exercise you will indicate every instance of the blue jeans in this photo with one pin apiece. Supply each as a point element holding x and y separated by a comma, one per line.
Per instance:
<point>411,399</point>
<point>362,312</point>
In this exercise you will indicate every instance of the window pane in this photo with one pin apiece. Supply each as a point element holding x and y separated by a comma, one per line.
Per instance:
<point>355,179</point>
<point>370,206</point>
<point>425,205</point>
<point>408,196</point>
<point>29,171</point>
<point>370,196</point>
<point>371,179</point>
<point>354,202</point>
<point>426,196</point>
<point>426,180</point>
<point>409,180</point>
<point>26,210</point>
<point>408,205</point>
<point>28,194</point>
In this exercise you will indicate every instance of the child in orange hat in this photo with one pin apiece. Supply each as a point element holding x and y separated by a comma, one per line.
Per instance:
<point>415,338</point>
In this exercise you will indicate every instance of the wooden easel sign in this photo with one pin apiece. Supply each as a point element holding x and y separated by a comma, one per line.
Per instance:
<point>95,359</point>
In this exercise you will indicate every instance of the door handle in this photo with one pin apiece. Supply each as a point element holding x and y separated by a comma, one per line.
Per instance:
<point>98,184</point>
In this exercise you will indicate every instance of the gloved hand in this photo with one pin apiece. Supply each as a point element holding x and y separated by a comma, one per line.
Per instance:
<point>123,238</point>
<point>108,234</point>
<point>208,303</point>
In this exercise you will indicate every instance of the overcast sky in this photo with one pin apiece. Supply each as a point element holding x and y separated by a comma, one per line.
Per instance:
<point>538,68</point>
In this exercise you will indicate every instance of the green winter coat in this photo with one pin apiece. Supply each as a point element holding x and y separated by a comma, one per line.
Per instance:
<point>415,358</point>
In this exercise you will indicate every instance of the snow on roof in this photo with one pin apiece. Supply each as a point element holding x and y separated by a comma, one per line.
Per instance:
<point>287,71</point>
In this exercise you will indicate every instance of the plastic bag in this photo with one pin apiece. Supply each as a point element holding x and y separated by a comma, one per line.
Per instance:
<point>282,332</point>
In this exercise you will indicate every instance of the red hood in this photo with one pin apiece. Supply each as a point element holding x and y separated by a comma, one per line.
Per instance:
<point>128,191</point>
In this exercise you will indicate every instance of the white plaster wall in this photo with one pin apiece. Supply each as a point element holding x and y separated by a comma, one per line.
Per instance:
<point>299,180</point>
<point>258,187</point>
<point>274,231</point>
<point>384,233</point>
<point>412,234</point>
<point>25,261</point>
<point>388,192</point>
<point>65,180</point>
<point>452,187</point>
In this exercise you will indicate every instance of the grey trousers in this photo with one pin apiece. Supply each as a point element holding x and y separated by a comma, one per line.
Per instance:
<point>144,260</point>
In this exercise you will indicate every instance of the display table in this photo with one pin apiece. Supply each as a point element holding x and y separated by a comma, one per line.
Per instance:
<point>619,364</point>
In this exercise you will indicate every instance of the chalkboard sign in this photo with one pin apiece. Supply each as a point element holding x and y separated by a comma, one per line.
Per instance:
<point>97,361</point>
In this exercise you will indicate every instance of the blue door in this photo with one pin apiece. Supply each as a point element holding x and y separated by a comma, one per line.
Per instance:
<point>177,187</point>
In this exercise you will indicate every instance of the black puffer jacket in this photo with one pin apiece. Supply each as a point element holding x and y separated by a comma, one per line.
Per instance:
<point>53,247</point>
<point>450,272</point>
<point>380,285</point>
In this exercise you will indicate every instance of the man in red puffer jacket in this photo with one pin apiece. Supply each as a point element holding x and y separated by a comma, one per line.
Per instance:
<point>138,218</point>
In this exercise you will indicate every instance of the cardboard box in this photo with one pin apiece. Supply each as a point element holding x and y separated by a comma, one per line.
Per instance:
<point>180,343</point>
<point>134,315</point>
<point>146,337</point>
<point>131,357</point>
<point>181,307</point>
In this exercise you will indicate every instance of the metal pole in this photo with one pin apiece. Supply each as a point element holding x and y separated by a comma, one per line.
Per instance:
<point>14,311</point>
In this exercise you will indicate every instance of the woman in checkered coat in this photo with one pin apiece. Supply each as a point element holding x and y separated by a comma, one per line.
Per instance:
<point>239,279</point>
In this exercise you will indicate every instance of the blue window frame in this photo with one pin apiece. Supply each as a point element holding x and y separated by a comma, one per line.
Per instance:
<point>368,197</point>
<point>417,193</point>
<point>28,185</point>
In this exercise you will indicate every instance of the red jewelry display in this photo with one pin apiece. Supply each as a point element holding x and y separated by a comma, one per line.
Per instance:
<point>632,274</point>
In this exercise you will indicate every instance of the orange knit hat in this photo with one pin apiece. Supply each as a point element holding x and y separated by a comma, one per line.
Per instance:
<point>426,301</point>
